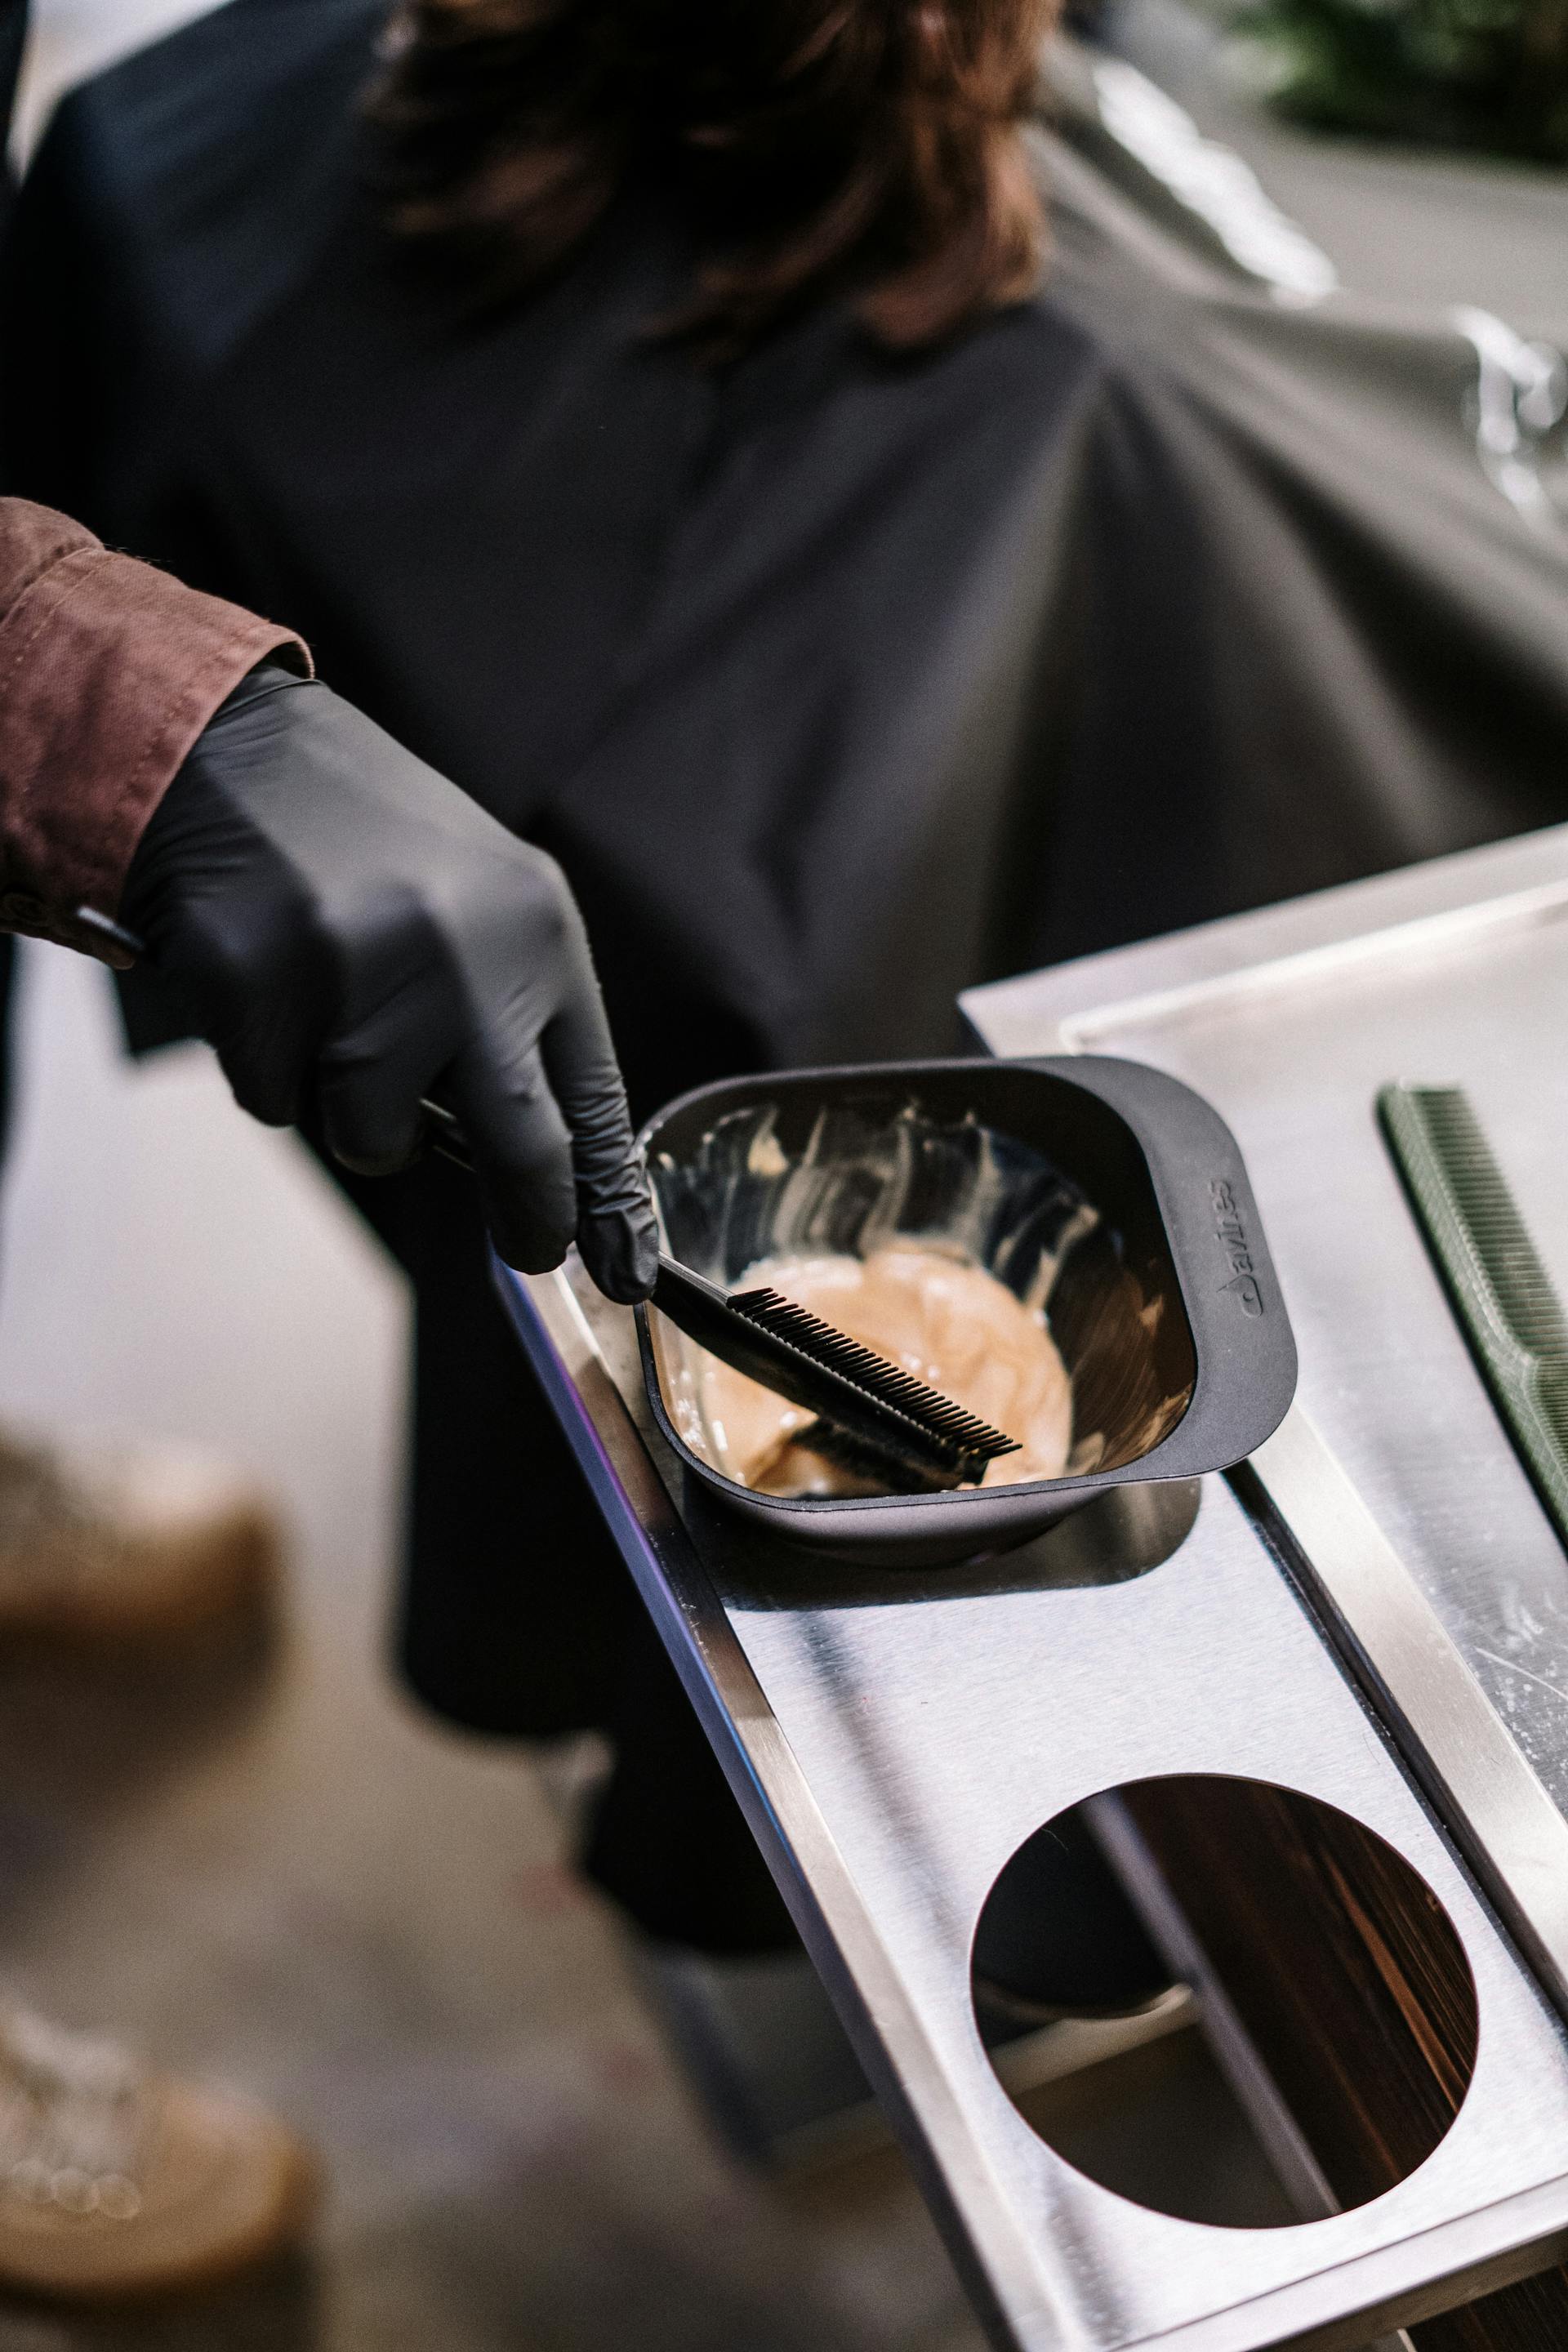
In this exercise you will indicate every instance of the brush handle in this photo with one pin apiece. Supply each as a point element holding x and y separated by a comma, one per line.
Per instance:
<point>908,1455</point>
<point>443,1128</point>
<point>701,1309</point>
<point>708,1315</point>
<point>443,1133</point>
<point>695,1306</point>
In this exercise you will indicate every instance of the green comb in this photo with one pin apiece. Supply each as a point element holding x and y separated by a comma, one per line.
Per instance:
<point>1502,1295</point>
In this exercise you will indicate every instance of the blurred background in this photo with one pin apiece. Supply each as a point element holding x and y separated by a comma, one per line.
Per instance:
<point>263,1865</point>
<point>267,1867</point>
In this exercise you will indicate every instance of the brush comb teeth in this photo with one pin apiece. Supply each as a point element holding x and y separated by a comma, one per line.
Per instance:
<point>970,1439</point>
<point>1502,1295</point>
<point>877,1466</point>
<point>1503,1257</point>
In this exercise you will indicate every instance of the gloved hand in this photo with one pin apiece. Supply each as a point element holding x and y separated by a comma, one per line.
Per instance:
<point>351,930</point>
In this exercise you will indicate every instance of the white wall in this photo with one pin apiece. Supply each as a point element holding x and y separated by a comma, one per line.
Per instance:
<point>166,1264</point>
<point>71,39</point>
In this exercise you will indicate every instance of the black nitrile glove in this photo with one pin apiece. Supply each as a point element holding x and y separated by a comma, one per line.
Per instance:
<point>351,930</point>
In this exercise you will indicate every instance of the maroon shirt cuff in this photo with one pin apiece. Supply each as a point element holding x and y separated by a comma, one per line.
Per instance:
<point>109,671</point>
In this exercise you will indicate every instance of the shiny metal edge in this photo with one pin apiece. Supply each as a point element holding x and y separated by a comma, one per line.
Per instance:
<point>1075,1007</point>
<point>1456,1745</point>
<point>1498,1813</point>
<point>971,2207</point>
<point>1302,2318</point>
<point>1397,2285</point>
<point>1235,2052</point>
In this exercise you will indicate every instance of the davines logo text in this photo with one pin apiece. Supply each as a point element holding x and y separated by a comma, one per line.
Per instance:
<point>1231,1236</point>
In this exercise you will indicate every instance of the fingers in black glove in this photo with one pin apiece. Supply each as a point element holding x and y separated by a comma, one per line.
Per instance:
<point>403,1008</point>
<point>347,926</point>
<point>617,1230</point>
<point>521,1153</point>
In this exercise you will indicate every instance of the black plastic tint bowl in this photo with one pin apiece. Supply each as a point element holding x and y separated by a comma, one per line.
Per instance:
<point>1113,1189</point>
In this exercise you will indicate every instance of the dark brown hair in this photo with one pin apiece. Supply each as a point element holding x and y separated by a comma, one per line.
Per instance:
<point>866,147</point>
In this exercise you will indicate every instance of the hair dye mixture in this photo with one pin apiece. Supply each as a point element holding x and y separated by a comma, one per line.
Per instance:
<point>933,1313</point>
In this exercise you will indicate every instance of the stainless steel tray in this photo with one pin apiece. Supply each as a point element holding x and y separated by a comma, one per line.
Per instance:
<point>1394,1477</point>
<point>893,1744</point>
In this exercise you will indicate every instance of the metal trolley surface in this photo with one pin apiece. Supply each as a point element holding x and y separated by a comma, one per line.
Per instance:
<point>894,1742</point>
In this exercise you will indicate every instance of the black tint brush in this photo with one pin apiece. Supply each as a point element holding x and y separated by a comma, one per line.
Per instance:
<point>871,1417</point>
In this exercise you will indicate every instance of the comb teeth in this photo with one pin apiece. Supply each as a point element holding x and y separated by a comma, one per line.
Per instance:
<point>876,1463</point>
<point>964,1433</point>
<point>1552,1395</point>
<point>1503,1296</point>
<point>1521,1291</point>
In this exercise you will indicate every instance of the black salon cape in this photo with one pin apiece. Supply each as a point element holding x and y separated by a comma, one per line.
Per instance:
<point>836,683</point>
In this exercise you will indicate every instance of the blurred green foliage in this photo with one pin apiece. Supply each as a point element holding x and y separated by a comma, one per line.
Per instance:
<point>1482,74</point>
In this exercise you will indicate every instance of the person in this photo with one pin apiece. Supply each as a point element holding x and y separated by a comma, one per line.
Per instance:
<point>345,926</point>
<point>614,532</point>
<point>113,671</point>
<point>342,925</point>
<point>221,861</point>
<point>652,413</point>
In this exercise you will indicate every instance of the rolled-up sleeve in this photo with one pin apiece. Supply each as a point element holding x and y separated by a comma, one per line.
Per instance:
<point>109,671</point>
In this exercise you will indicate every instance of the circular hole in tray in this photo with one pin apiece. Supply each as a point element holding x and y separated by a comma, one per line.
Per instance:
<point>1225,2000</point>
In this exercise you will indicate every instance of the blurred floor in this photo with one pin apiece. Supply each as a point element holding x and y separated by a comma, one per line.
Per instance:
<point>272,1871</point>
